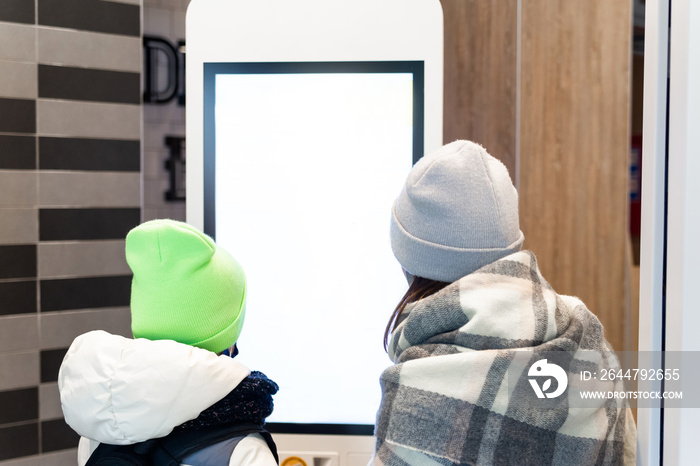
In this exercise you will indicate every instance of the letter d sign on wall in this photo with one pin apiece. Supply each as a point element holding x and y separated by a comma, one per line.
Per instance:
<point>160,55</point>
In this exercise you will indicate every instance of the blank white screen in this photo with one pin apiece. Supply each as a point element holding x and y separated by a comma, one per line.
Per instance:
<point>307,169</point>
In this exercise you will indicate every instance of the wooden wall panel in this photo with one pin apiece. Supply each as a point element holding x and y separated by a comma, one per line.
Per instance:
<point>574,145</point>
<point>481,75</point>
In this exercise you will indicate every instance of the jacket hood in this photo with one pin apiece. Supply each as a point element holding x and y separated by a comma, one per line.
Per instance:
<point>122,391</point>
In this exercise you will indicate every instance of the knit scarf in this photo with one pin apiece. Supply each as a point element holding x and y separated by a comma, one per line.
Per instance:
<point>460,392</point>
<point>250,402</point>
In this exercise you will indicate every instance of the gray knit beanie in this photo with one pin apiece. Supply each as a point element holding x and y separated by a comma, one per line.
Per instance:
<point>457,212</point>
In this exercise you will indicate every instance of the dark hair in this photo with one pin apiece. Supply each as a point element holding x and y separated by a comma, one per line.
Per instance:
<point>420,288</point>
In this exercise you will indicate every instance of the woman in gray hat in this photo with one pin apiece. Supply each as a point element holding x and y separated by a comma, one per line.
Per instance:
<point>483,347</point>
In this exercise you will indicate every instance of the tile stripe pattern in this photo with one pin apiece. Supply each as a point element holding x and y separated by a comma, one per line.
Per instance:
<point>18,152</point>
<point>70,163</point>
<point>17,11</point>
<point>82,154</point>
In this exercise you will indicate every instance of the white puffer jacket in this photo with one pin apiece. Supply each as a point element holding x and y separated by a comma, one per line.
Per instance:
<point>123,391</point>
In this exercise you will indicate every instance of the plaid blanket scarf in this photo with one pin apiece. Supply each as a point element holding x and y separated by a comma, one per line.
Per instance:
<point>460,392</point>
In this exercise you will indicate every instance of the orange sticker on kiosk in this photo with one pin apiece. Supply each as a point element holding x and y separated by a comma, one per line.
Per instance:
<point>293,461</point>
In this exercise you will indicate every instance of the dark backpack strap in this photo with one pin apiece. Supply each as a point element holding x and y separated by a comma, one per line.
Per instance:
<point>181,444</point>
<point>270,443</point>
<point>143,453</point>
<point>171,450</point>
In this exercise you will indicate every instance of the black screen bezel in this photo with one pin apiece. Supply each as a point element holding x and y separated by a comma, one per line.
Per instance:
<point>211,71</point>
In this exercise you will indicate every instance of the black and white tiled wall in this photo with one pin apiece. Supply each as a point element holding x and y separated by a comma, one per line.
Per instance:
<point>70,189</point>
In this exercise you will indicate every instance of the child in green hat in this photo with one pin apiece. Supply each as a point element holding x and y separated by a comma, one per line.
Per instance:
<point>175,379</point>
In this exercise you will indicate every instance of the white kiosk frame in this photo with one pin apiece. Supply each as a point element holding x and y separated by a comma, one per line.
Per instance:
<point>249,31</point>
<point>670,250</point>
<point>278,31</point>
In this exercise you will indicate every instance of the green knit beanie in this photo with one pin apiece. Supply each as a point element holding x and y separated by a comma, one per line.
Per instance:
<point>185,287</point>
